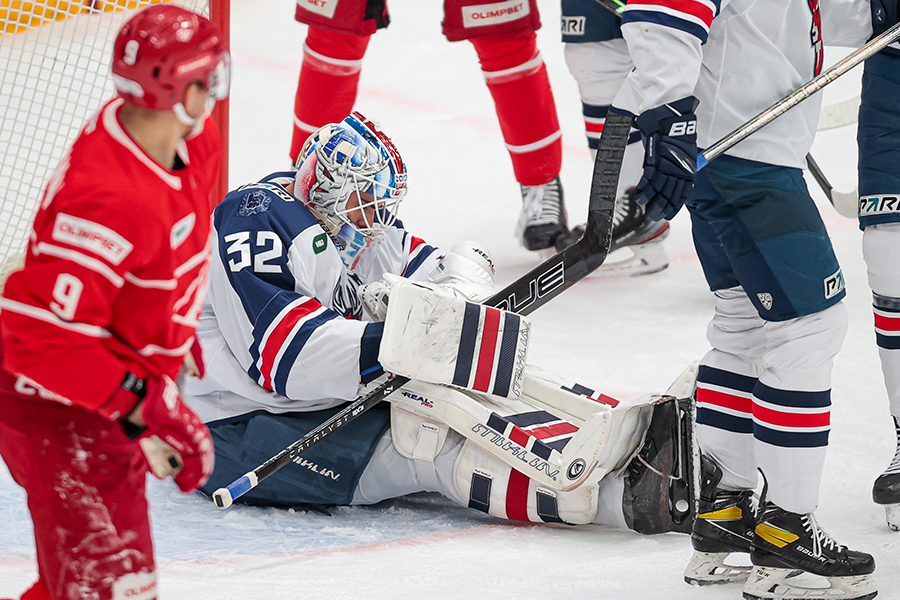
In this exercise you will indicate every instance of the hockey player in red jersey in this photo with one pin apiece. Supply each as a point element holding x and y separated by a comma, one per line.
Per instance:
<point>96,324</point>
<point>503,35</point>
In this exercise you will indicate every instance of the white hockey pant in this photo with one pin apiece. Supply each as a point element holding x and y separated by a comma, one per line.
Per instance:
<point>419,454</point>
<point>881,251</point>
<point>788,356</point>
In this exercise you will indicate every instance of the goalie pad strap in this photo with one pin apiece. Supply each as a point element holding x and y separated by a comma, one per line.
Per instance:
<point>516,498</point>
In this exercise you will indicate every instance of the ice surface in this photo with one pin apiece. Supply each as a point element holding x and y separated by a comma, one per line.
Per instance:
<point>625,336</point>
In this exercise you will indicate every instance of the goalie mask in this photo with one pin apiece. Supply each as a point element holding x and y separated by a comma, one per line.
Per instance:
<point>351,175</point>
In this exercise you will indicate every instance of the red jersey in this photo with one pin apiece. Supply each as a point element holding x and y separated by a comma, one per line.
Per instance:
<point>117,265</point>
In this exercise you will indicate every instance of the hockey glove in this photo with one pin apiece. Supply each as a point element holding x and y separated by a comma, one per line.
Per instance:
<point>467,272</point>
<point>670,157</point>
<point>167,417</point>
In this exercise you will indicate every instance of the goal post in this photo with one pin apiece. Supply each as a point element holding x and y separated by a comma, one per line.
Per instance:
<point>54,75</point>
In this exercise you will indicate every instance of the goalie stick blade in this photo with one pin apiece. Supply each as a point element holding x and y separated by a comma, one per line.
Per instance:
<point>526,294</point>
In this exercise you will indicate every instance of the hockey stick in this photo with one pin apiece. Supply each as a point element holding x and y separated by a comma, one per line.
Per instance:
<point>528,293</point>
<point>799,95</point>
<point>846,203</point>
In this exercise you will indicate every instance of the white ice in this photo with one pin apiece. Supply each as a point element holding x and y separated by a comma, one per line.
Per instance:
<point>626,336</point>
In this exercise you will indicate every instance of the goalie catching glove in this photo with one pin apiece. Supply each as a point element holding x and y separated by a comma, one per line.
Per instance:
<point>466,272</point>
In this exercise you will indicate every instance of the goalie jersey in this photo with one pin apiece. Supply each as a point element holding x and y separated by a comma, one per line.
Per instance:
<point>283,309</point>
<point>738,57</point>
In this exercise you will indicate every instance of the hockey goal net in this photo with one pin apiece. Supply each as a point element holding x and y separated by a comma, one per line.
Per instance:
<point>54,74</point>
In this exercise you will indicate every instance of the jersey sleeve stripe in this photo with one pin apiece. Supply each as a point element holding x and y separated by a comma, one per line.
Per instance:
<point>158,284</point>
<point>278,336</point>
<point>419,254</point>
<point>153,349</point>
<point>191,262</point>
<point>48,317</point>
<point>79,258</point>
<point>690,16</point>
<point>292,351</point>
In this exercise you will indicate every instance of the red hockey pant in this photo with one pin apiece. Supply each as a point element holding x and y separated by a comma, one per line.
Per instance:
<point>85,483</point>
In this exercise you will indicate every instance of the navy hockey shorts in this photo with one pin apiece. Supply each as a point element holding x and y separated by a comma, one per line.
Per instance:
<point>324,475</point>
<point>878,137</point>
<point>755,225</point>
<point>587,21</point>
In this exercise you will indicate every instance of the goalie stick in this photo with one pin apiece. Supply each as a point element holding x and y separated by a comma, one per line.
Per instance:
<point>526,294</point>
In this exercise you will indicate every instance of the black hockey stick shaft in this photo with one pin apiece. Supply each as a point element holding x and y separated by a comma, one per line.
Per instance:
<point>524,295</point>
<point>820,178</point>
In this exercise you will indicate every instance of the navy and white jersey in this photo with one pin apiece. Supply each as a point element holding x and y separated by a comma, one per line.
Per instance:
<point>282,327</point>
<point>738,57</point>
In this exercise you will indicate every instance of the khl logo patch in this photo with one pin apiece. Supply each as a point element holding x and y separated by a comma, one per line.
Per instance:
<point>765,299</point>
<point>319,243</point>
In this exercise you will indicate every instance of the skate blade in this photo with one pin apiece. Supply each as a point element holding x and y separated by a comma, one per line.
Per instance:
<point>710,568</point>
<point>768,583</point>
<point>645,259</point>
<point>892,516</point>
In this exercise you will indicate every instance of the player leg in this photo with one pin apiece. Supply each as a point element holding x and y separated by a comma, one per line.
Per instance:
<point>333,62</point>
<point>85,484</point>
<point>423,454</point>
<point>777,249</point>
<point>879,218</point>
<point>517,78</point>
<point>598,59</point>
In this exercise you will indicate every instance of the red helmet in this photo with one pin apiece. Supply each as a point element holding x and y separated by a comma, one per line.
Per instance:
<point>161,50</point>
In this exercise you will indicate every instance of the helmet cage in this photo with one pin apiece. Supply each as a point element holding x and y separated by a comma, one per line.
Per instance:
<point>357,173</point>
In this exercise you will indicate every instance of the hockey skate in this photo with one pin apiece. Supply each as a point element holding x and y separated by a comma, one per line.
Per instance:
<point>794,558</point>
<point>724,525</point>
<point>886,490</point>
<point>543,217</point>
<point>634,231</point>
<point>660,485</point>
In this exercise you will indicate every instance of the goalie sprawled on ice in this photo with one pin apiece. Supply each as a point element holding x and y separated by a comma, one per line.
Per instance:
<point>316,292</point>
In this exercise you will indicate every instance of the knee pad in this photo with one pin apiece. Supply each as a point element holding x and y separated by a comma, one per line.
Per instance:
<point>736,330</point>
<point>600,68</point>
<point>419,439</point>
<point>881,250</point>
<point>802,350</point>
<point>493,487</point>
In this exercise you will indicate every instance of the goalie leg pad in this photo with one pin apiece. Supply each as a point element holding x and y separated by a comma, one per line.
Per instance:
<point>493,487</point>
<point>419,439</point>
<point>432,337</point>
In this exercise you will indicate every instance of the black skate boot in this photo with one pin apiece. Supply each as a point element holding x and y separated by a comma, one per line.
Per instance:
<point>543,217</point>
<point>886,490</point>
<point>631,228</point>
<point>659,485</point>
<point>794,558</point>
<point>724,524</point>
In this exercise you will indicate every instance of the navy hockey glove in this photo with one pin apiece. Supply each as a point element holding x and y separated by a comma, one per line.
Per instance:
<point>670,157</point>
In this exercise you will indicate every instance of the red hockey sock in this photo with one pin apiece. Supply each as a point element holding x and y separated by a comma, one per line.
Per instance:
<point>329,78</point>
<point>517,79</point>
<point>36,592</point>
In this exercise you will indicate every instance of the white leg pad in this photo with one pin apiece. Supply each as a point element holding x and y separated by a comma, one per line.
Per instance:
<point>419,439</point>
<point>492,486</point>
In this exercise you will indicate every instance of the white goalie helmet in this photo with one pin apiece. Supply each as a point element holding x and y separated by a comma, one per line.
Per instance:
<point>352,174</point>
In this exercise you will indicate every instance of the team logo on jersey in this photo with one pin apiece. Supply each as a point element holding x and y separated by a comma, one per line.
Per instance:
<point>182,229</point>
<point>253,203</point>
<point>494,14</point>
<point>572,25</point>
<point>91,236</point>
<point>876,205</point>
<point>834,285</point>
<point>319,243</point>
<point>765,298</point>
